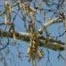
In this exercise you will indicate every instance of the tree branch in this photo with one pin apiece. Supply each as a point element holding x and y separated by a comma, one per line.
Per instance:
<point>52,44</point>
<point>43,42</point>
<point>50,22</point>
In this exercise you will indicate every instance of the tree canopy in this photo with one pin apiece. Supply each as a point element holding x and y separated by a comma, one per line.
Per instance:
<point>39,23</point>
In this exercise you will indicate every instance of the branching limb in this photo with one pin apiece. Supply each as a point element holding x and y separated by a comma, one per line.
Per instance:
<point>52,44</point>
<point>50,22</point>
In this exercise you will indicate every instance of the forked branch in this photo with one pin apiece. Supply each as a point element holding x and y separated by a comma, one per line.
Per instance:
<point>43,42</point>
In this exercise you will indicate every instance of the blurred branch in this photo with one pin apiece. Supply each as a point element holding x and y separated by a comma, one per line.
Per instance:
<point>52,44</point>
<point>60,56</point>
<point>5,45</point>
<point>50,22</point>
<point>55,20</point>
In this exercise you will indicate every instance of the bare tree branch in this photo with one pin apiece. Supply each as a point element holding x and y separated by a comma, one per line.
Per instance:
<point>50,22</point>
<point>43,42</point>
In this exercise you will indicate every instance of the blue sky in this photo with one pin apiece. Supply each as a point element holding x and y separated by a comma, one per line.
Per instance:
<point>21,46</point>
